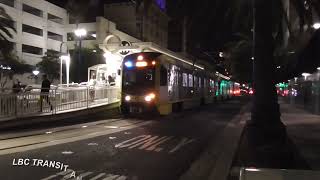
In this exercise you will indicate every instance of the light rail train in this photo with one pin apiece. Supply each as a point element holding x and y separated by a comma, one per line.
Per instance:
<point>161,83</point>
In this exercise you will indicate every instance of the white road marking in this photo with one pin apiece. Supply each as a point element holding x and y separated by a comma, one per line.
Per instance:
<point>49,132</point>
<point>154,146</point>
<point>98,176</point>
<point>82,175</point>
<point>183,142</point>
<point>111,177</point>
<point>102,176</point>
<point>151,143</point>
<point>123,144</point>
<point>10,146</point>
<point>112,137</point>
<point>111,127</point>
<point>145,143</point>
<point>67,152</point>
<point>127,132</point>
<point>122,178</point>
<point>93,144</point>
<point>68,171</point>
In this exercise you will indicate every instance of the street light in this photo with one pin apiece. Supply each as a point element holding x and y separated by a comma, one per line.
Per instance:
<point>80,33</point>
<point>305,75</point>
<point>35,72</point>
<point>316,26</point>
<point>318,68</point>
<point>65,58</point>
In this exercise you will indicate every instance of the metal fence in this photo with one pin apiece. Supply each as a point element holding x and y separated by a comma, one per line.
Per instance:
<point>304,92</point>
<point>34,102</point>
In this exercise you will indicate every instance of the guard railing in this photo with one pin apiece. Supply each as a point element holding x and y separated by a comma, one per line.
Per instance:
<point>33,102</point>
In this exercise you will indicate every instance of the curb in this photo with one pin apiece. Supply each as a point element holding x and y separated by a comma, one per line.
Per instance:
<point>215,162</point>
<point>109,109</point>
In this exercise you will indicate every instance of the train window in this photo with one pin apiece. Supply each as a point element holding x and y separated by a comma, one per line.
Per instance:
<point>185,80</point>
<point>190,80</point>
<point>138,79</point>
<point>163,76</point>
<point>211,83</point>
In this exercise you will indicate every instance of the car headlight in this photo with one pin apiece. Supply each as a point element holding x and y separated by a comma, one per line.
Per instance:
<point>149,97</point>
<point>127,98</point>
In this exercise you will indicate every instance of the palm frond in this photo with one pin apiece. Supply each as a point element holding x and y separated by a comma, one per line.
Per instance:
<point>4,30</point>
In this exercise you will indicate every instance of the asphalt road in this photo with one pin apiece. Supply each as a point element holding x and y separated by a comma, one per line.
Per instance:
<point>119,149</point>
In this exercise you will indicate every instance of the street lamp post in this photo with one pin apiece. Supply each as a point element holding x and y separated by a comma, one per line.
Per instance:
<point>80,33</point>
<point>36,73</point>
<point>66,58</point>
<point>316,26</point>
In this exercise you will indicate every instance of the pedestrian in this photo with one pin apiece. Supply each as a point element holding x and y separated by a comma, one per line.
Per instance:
<point>92,84</point>
<point>45,89</point>
<point>111,81</point>
<point>16,88</point>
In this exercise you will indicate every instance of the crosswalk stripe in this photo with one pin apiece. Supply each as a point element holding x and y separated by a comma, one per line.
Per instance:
<point>68,171</point>
<point>50,177</point>
<point>85,174</point>
<point>80,176</point>
<point>154,146</point>
<point>111,177</point>
<point>122,178</point>
<point>148,142</point>
<point>67,176</point>
<point>98,176</point>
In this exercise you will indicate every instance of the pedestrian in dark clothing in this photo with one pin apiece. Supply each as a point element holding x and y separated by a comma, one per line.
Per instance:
<point>111,80</point>
<point>16,88</point>
<point>45,89</point>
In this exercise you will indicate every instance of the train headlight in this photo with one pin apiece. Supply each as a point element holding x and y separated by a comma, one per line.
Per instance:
<point>127,98</point>
<point>149,97</point>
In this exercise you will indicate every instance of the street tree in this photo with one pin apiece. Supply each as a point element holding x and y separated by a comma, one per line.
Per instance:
<point>50,65</point>
<point>289,39</point>
<point>76,10</point>
<point>10,64</point>
<point>90,57</point>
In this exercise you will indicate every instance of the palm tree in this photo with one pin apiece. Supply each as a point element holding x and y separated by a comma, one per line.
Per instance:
<point>5,34</point>
<point>270,23</point>
<point>77,11</point>
<point>7,57</point>
<point>265,127</point>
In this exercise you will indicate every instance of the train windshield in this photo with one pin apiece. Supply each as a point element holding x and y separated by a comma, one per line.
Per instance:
<point>137,80</point>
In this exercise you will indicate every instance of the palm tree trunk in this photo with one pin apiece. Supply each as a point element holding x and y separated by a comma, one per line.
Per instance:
<point>265,126</point>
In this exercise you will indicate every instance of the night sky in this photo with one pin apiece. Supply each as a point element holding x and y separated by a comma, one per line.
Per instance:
<point>208,30</point>
<point>60,3</point>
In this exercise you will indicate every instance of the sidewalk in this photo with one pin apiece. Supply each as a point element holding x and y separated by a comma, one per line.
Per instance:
<point>302,151</point>
<point>303,129</point>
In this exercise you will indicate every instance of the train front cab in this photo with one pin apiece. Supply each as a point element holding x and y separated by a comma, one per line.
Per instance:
<point>155,82</point>
<point>139,92</point>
